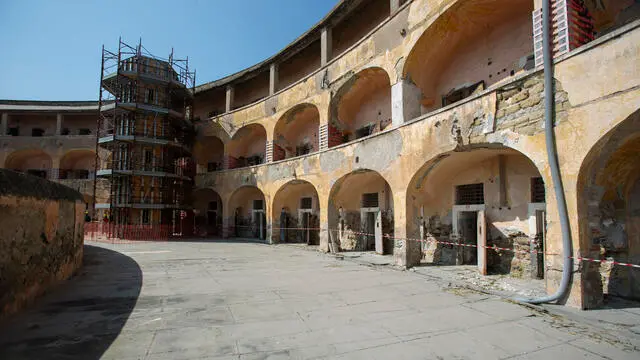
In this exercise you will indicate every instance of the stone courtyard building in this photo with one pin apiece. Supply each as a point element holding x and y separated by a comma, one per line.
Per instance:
<point>411,127</point>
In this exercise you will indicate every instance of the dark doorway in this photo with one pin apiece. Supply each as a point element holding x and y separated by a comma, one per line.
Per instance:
<point>468,227</point>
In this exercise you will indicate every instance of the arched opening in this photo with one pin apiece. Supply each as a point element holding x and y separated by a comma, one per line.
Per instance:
<point>247,147</point>
<point>471,46</point>
<point>247,214</point>
<point>208,153</point>
<point>78,164</point>
<point>609,215</point>
<point>361,107</point>
<point>361,213</point>
<point>32,161</point>
<point>490,196</point>
<point>207,208</point>
<point>296,132</point>
<point>296,214</point>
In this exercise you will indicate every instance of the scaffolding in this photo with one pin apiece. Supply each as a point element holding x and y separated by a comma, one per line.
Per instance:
<point>143,148</point>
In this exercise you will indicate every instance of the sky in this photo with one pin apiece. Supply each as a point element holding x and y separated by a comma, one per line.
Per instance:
<point>51,49</point>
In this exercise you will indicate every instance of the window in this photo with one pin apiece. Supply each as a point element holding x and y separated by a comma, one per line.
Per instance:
<point>84,131</point>
<point>213,205</point>
<point>370,200</point>
<point>306,203</point>
<point>65,131</point>
<point>257,205</point>
<point>471,194</point>
<point>13,131</point>
<point>537,190</point>
<point>460,93</point>
<point>37,132</point>
<point>146,216</point>
<point>364,131</point>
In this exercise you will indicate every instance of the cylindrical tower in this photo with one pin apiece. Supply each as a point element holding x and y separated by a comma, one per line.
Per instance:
<point>145,136</point>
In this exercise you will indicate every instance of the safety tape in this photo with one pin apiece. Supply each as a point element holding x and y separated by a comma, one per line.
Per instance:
<point>451,243</point>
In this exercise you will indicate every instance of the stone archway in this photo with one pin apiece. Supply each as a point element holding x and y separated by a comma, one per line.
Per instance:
<point>296,213</point>
<point>296,132</point>
<point>608,191</point>
<point>360,213</point>
<point>78,164</point>
<point>247,213</point>
<point>208,210</point>
<point>486,196</point>
<point>471,46</point>
<point>31,161</point>
<point>247,147</point>
<point>360,107</point>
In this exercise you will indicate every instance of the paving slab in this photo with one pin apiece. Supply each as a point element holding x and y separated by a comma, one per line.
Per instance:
<point>244,300</point>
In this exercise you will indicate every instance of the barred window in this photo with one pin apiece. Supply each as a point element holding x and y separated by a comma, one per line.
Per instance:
<point>306,203</point>
<point>370,200</point>
<point>470,194</point>
<point>537,190</point>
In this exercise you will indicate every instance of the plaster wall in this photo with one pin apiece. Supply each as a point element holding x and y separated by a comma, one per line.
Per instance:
<point>42,224</point>
<point>490,55</point>
<point>297,127</point>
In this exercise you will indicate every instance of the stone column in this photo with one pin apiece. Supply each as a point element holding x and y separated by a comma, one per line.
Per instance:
<point>229,101</point>
<point>324,226</point>
<point>59,118</point>
<point>406,253</point>
<point>405,102</point>
<point>273,78</point>
<point>325,46</point>
<point>4,125</point>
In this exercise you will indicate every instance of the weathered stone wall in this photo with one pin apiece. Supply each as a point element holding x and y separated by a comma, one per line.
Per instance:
<point>41,237</point>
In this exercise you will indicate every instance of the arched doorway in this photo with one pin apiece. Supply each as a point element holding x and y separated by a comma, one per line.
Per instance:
<point>247,217</point>
<point>296,132</point>
<point>483,197</point>
<point>296,214</point>
<point>609,214</point>
<point>31,161</point>
<point>247,146</point>
<point>361,213</point>
<point>471,46</point>
<point>207,205</point>
<point>361,107</point>
<point>78,164</point>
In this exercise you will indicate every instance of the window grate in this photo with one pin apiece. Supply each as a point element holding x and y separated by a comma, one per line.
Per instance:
<point>470,194</point>
<point>257,205</point>
<point>537,190</point>
<point>370,200</point>
<point>306,203</point>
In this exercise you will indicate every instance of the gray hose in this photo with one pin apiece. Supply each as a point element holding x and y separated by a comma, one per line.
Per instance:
<point>549,112</point>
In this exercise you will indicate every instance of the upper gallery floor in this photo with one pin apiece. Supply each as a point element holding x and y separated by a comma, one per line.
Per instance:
<point>370,66</point>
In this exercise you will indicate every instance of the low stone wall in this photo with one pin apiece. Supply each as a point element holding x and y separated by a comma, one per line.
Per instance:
<point>41,237</point>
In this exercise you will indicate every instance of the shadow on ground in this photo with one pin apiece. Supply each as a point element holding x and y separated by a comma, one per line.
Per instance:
<point>82,317</point>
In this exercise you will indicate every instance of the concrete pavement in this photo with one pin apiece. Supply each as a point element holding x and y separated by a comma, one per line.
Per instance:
<point>226,300</point>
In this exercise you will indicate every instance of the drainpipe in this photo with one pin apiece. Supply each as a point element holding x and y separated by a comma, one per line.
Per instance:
<point>549,113</point>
